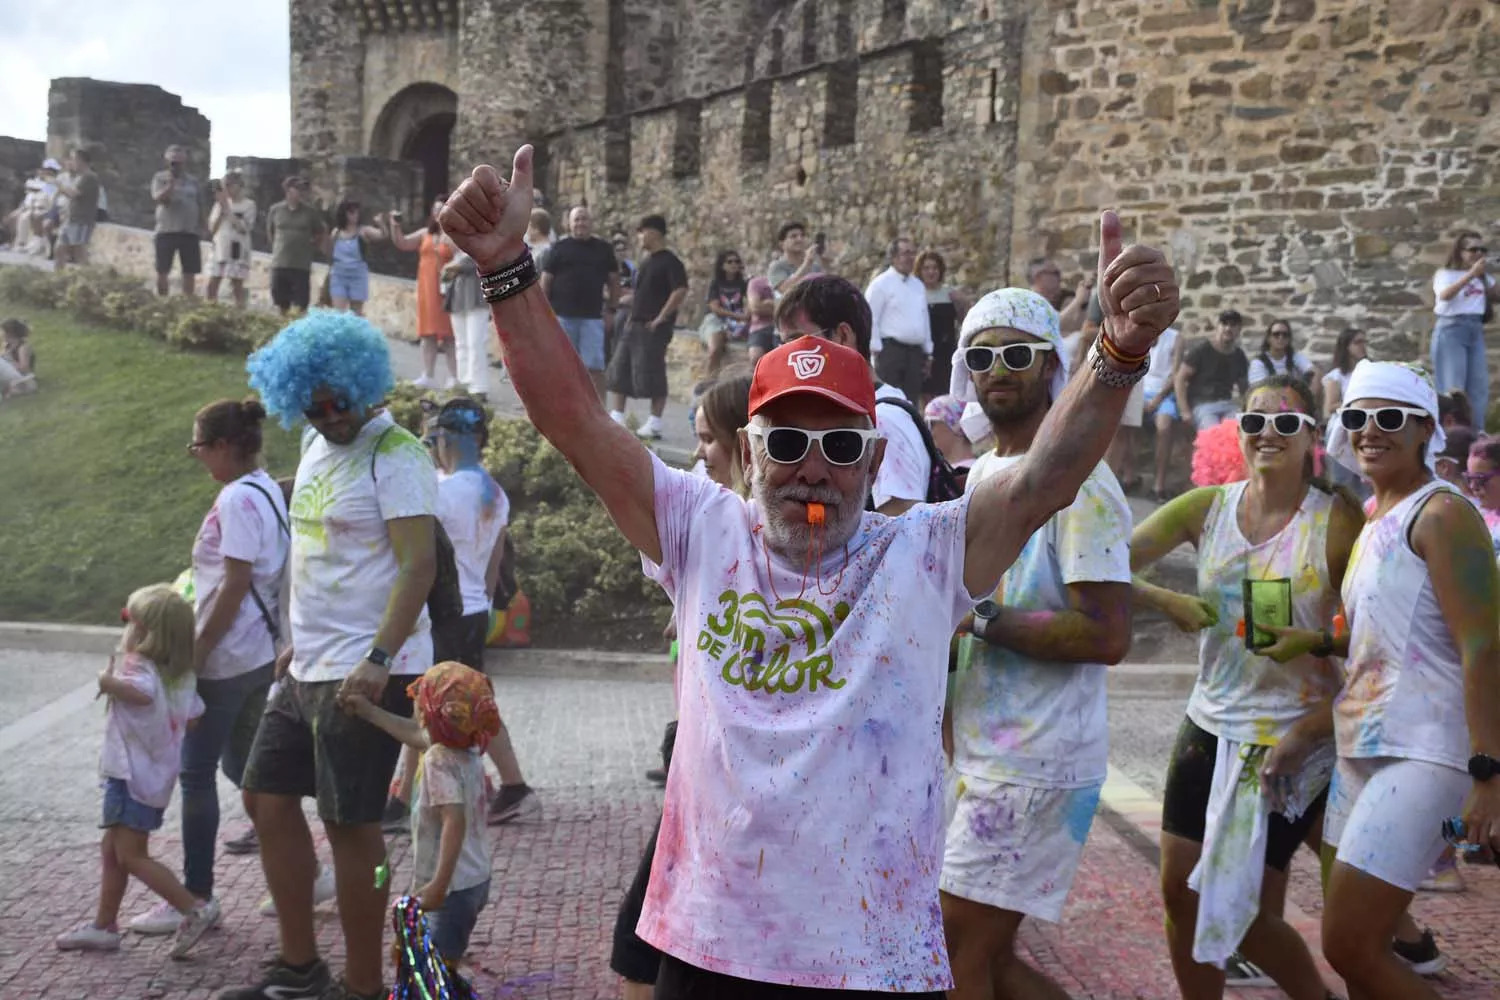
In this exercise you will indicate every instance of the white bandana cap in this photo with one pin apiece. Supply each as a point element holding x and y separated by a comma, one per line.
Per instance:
<point>1018,309</point>
<point>1408,384</point>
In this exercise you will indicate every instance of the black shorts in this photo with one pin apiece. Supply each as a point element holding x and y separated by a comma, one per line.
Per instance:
<point>1190,778</point>
<point>184,246</point>
<point>638,368</point>
<point>308,747</point>
<point>765,340</point>
<point>291,288</point>
<point>462,639</point>
<point>680,981</point>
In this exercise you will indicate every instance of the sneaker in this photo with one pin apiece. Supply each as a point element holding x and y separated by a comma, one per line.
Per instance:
<point>1422,956</point>
<point>282,982</point>
<point>339,990</point>
<point>163,918</point>
<point>194,926</point>
<point>1244,974</point>
<point>87,937</point>
<point>324,889</point>
<point>1443,877</point>
<point>650,430</point>
<point>422,382</point>
<point>656,776</point>
<point>246,843</point>
<point>396,819</point>
<point>513,802</point>
<point>618,416</point>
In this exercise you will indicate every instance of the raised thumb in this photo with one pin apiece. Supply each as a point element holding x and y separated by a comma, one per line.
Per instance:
<point>520,172</point>
<point>1110,246</point>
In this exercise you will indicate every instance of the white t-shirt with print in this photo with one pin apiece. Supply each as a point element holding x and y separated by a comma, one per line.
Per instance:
<point>343,566</point>
<point>450,777</point>
<point>245,524</point>
<point>1043,723</point>
<point>234,228</point>
<point>143,743</point>
<point>1470,299</point>
<point>801,838</point>
<point>474,510</point>
<point>906,469</point>
<point>1259,372</point>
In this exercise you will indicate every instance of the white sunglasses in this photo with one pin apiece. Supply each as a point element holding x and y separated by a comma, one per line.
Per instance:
<point>1285,424</point>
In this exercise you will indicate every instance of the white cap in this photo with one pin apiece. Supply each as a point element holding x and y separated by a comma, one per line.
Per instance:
<point>50,164</point>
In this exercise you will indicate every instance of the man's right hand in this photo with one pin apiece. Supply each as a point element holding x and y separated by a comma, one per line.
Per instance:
<point>487,216</point>
<point>283,662</point>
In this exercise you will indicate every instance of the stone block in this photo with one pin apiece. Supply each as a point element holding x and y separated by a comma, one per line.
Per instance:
<point>1210,88</point>
<point>1193,44</point>
<point>1161,102</point>
<point>1302,153</point>
<point>1257,88</point>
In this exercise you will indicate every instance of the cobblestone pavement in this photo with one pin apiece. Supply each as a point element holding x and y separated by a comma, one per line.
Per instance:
<point>584,743</point>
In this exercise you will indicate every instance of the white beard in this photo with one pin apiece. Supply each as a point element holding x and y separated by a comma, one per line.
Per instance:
<point>798,542</point>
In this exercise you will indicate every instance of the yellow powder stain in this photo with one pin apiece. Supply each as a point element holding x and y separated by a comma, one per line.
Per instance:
<point>762,863</point>
<point>864,904</point>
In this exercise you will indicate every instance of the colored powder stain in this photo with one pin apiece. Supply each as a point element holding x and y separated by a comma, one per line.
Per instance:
<point>884,767</point>
<point>760,865</point>
<point>864,904</point>
<point>1082,805</point>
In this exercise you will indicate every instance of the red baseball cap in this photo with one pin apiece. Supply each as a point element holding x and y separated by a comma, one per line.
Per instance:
<point>819,367</point>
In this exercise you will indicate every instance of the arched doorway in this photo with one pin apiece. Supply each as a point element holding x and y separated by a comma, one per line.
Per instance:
<point>417,125</point>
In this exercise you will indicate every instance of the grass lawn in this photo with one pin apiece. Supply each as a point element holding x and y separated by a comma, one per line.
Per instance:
<point>98,495</point>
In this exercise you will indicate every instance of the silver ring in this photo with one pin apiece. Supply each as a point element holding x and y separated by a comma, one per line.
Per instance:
<point>1159,295</point>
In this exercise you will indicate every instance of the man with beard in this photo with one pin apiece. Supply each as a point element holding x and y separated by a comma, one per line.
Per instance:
<point>1028,714</point>
<point>801,836</point>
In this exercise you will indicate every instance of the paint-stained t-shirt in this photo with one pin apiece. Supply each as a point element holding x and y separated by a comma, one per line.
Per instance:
<point>1034,722</point>
<point>343,565</point>
<point>801,838</point>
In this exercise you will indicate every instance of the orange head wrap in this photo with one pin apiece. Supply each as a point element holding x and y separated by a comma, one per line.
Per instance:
<point>458,706</point>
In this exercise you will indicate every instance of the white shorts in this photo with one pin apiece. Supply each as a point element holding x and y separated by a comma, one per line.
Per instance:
<point>1015,847</point>
<point>1135,407</point>
<point>234,270</point>
<point>1385,815</point>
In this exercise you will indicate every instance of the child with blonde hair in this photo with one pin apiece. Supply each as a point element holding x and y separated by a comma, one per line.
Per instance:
<point>455,719</point>
<point>151,694</point>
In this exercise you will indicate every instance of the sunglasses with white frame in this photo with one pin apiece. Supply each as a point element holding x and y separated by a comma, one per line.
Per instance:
<point>841,446</point>
<point>1286,424</point>
<point>1388,418</point>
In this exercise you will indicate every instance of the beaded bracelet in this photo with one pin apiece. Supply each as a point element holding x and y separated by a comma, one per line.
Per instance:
<point>510,280</point>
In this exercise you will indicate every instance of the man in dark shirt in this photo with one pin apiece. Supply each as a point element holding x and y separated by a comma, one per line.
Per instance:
<point>1212,374</point>
<point>579,279</point>
<point>81,213</point>
<point>639,368</point>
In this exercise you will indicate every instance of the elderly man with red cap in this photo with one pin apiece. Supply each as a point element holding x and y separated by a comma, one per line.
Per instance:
<point>801,838</point>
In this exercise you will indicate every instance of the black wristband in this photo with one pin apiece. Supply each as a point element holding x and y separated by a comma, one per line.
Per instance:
<point>378,656</point>
<point>1324,646</point>
<point>512,279</point>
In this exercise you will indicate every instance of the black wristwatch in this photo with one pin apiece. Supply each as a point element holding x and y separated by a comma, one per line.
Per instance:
<point>1324,646</point>
<point>378,656</point>
<point>1483,767</point>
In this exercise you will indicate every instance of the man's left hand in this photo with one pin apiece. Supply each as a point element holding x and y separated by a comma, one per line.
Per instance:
<point>431,897</point>
<point>368,679</point>
<point>1137,290</point>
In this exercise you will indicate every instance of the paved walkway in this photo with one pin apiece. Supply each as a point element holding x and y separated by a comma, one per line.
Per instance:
<point>584,738</point>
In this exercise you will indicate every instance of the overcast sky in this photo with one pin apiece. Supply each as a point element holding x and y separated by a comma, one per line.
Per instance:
<point>231,67</point>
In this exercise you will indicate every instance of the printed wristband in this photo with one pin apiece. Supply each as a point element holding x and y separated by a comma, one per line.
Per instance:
<point>510,280</point>
<point>1114,353</point>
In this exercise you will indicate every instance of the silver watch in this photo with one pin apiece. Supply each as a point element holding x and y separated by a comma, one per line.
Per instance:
<point>984,613</point>
<point>1111,376</point>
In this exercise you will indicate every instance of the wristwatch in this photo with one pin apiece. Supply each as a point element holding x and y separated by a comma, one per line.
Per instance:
<point>1482,767</point>
<point>1112,376</point>
<point>378,656</point>
<point>984,613</point>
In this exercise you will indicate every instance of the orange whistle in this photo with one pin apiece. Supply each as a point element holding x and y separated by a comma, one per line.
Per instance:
<point>1340,625</point>
<point>814,513</point>
<point>1239,629</point>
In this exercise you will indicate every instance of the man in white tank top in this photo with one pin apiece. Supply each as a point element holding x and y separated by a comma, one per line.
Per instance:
<point>1030,732</point>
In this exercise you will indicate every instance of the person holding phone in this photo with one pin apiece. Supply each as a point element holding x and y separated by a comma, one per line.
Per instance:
<point>797,260</point>
<point>1464,299</point>
<point>1418,720</point>
<point>1261,700</point>
<point>229,227</point>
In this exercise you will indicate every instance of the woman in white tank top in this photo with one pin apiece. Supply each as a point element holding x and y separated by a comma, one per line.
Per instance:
<point>1274,704</point>
<point>1419,712</point>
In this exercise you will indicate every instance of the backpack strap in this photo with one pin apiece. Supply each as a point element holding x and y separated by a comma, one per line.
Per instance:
<point>265,613</point>
<point>375,451</point>
<point>909,408</point>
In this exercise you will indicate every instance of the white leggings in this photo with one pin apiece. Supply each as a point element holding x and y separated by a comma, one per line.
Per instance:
<point>471,345</point>
<point>1385,815</point>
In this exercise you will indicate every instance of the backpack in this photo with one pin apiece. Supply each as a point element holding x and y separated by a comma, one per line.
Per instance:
<point>445,601</point>
<point>944,482</point>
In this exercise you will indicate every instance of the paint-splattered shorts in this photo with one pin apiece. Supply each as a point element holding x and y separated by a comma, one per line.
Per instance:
<point>1015,847</point>
<point>308,747</point>
<point>1385,815</point>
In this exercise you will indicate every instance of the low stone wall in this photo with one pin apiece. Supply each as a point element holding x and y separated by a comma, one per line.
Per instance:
<point>392,305</point>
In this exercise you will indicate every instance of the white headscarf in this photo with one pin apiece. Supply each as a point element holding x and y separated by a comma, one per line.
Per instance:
<point>1410,385</point>
<point>1018,309</point>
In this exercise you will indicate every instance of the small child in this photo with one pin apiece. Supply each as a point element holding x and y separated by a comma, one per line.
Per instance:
<point>17,360</point>
<point>455,719</point>
<point>152,697</point>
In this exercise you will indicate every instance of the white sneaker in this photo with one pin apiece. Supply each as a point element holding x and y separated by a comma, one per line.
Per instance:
<point>162,918</point>
<point>422,382</point>
<point>618,416</point>
<point>449,384</point>
<point>650,430</point>
<point>196,924</point>
<point>324,889</point>
<point>87,937</point>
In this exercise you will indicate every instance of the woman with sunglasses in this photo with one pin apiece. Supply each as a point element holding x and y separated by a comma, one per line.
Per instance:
<point>1269,706</point>
<point>1482,479</point>
<point>725,312</point>
<point>1279,356</point>
<point>1418,719</point>
<point>1464,296</point>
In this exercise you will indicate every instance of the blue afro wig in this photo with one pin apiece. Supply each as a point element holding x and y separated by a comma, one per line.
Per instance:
<point>324,349</point>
